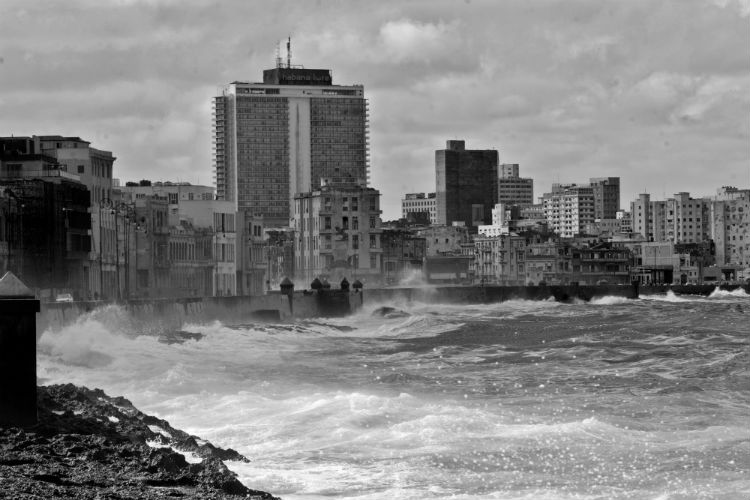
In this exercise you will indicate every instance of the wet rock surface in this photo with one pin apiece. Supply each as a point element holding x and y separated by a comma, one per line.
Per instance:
<point>89,445</point>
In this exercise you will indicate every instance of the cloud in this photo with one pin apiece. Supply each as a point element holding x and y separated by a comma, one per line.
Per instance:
<point>570,90</point>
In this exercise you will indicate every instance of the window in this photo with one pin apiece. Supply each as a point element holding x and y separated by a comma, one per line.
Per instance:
<point>355,222</point>
<point>327,223</point>
<point>345,222</point>
<point>355,242</point>
<point>355,204</point>
<point>373,241</point>
<point>81,169</point>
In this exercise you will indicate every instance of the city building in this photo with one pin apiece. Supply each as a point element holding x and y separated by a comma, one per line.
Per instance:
<point>512,189</point>
<point>337,230</point>
<point>466,184</point>
<point>686,219</point>
<point>606,196</point>
<point>420,203</point>
<point>47,223</point>
<point>729,224</point>
<point>681,219</point>
<point>500,218</point>
<point>90,166</point>
<point>279,137</point>
<point>444,240</point>
<point>403,255</point>
<point>569,208</point>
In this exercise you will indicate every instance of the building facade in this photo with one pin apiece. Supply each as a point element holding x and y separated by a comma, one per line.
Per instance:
<point>606,196</point>
<point>730,226</point>
<point>419,203</point>
<point>338,233</point>
<point>569,208</point>
<point>512,189</point>
<point>280,137</point>
<point>466,184</point>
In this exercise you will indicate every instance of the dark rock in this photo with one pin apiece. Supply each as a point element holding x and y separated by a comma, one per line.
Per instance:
<point>76,451</point>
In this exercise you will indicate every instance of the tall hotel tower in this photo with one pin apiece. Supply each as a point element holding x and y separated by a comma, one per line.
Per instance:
<point>281,137</point>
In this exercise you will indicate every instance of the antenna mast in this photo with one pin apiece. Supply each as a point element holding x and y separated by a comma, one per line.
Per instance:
<point>278,54</point>
<point>289,52</point>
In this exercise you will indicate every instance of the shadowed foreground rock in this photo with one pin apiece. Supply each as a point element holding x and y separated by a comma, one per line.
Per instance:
<point>90,445</point>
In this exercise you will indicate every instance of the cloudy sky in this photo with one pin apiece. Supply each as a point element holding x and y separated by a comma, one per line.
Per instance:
<point>656,92</point>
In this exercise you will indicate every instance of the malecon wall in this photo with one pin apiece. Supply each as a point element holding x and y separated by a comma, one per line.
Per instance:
<point>172,313</point>
<point>490,294</point>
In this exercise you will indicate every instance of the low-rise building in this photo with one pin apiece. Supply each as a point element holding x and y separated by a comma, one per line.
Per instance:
<point>419,203</point>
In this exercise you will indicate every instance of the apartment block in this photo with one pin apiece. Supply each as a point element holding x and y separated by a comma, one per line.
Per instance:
<point>730,226</point>
<point>337,231</point>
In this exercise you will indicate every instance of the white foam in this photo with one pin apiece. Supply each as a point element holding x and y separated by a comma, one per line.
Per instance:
<point>609,300</point>
<point>721,294</point>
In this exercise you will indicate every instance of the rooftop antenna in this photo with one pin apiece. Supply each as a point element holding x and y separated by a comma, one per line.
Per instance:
<point>289,52</point>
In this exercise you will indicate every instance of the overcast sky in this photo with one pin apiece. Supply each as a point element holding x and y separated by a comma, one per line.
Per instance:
<point>655,92</point>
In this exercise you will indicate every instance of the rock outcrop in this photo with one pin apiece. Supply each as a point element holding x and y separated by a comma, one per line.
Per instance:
<point>88,445</point>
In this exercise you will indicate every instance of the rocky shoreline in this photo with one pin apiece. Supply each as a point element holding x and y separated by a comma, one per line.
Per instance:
<point>89,445</point>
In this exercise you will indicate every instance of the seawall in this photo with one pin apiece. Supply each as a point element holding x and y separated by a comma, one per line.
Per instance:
<point>490,294</point>
<point>165,314</point>
<point>704,290</point>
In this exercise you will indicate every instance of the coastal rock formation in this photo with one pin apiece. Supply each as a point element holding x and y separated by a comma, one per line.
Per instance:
<point>89,445</point>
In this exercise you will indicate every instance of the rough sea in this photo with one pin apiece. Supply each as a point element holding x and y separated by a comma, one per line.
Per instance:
<point>616,398</point>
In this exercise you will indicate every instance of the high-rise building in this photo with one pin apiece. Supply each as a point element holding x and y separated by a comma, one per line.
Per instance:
<point>280,137</point>
<point>512,189</point>
<point>466,184</point>
<point>606,196</point>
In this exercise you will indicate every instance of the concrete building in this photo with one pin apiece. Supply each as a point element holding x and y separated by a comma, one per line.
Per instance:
<point>337,230</point>
<point>681,219</point>
<point>414,203</point>
<point>444,240</point>
<point>686,219</point>
<point>90,166</point>
<point>280,137</point>
<point>729,225</point>
<point>512,189</point>
<point>500,219</point>
<point>203,253</point>
<point>403,255</point>
<point>215,221</point>
<point>48,224</point>
<point>466,184</point>
<point>569,208</point>
<point>500,260</point>
<point>626,221</point>
<point>606,196</point>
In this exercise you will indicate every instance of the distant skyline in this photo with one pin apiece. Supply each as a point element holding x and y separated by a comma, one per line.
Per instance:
<point>654,92</point>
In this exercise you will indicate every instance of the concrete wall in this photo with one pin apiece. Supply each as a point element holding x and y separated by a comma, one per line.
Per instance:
<point>172,313</point>
<point>490,294</point>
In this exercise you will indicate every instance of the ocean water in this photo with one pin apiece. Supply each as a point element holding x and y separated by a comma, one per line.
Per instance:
<point>631,399</point>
